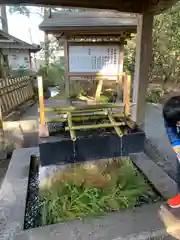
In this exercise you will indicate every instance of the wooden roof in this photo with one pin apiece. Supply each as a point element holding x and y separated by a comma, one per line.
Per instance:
<point>89,22</point>
<point>8,41</point>
<point>136,6</point>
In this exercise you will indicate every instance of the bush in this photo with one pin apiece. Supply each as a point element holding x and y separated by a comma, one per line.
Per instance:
<point>53,75</point>
<point>155,95</point>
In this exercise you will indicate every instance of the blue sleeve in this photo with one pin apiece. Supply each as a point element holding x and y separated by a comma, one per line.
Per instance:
<point>172,135</point>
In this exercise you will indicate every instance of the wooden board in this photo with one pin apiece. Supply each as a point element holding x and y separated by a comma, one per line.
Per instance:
<point>93,78</point>
<point>92,58</point>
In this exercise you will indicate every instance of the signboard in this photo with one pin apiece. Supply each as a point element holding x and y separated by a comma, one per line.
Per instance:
<point>91,59</point>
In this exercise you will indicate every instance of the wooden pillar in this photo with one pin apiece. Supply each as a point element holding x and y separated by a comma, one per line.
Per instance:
<point>143,60</point>
<point>120,70</point>
<point>66,61</point>
<point>30,61</point>
<point>43,130</point>
<point>4,18</point>
<point>121,58</point>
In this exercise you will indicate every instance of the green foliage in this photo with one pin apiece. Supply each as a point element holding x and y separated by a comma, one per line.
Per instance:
<point>129,55</point>
<point>53,74</point>
<point>155,95</point>
<point>166,45</point>
<point>20,9</point>
<point>88,189</point>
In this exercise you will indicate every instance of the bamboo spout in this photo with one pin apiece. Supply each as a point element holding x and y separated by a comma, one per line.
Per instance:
<point>72,132</point>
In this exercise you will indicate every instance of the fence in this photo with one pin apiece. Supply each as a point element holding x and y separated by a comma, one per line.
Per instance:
<point>14,92</point>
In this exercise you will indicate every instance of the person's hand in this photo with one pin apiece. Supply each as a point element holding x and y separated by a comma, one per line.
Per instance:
<point>177,149</point>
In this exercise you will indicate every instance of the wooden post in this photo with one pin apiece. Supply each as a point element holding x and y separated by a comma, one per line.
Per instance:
<point>120,78</point>
<point>99,89</point>
<point>66,61</point>
<point>143,59</point>
<point>121,58</point>
<point>126,94</point>
<point>43,131</point>
<point>4,18</point>
<point>30,61</point>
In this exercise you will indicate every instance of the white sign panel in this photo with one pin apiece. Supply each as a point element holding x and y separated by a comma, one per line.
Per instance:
<point>103,59</point>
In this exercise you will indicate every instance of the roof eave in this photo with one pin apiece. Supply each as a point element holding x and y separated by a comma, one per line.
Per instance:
<point>88,29</point>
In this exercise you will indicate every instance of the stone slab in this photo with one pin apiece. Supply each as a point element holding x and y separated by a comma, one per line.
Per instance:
<point>17,134</point>
<point>13,193</point>
<point>140,223</point>
<point>158,141</point>
<point>166,186</point>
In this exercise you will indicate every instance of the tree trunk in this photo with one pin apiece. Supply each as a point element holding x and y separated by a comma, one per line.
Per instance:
<point>4,19</point>
<point>46,41</point>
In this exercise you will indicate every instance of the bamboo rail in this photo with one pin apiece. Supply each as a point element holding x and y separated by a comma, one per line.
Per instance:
<point>94,126</point>
<point>83,117</point>
<point>83,107</point>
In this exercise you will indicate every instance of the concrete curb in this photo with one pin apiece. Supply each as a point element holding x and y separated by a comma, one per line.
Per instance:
<point>141,223</point>
<point>15,133</point>
<point>165,185</point>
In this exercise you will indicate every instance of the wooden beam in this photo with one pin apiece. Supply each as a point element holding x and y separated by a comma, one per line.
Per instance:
<point>81,74</point>
<point>132,6</point>
<point>143,59</point>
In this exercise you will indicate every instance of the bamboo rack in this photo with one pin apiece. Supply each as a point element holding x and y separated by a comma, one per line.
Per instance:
<point>114,123</point>
<point>84,117</point>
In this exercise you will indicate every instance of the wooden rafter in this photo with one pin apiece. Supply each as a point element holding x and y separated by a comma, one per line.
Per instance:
<point>133,6</point>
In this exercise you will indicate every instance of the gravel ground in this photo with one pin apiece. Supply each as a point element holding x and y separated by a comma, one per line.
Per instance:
<point>3,169</point>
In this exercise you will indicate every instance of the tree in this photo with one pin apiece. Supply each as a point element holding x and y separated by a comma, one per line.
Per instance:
<point>20,9</point>
<point>4,19</point>
<point>166,45</point>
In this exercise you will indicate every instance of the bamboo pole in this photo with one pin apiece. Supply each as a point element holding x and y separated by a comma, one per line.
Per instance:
<point>126,95</point>
<point>94,126</point>
<point>83,107</point>
<point>43,131</point>
<point>77,118</point>
<point>72,132</point>
<point>117,129</point>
